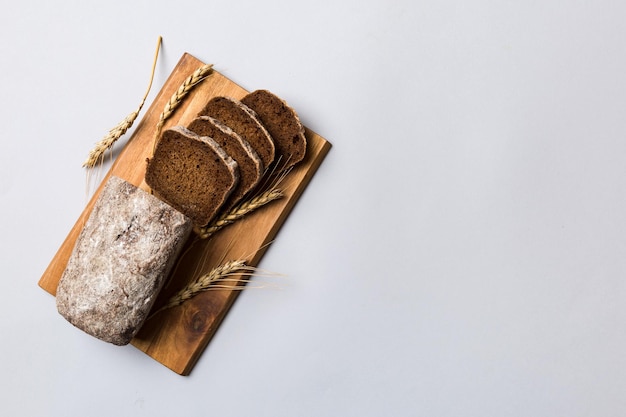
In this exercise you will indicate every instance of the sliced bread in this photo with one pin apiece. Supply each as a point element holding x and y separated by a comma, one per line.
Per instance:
<point>248,161</point>
<point>283,125</point>
<point>245,122</point>
<point>192,173</point>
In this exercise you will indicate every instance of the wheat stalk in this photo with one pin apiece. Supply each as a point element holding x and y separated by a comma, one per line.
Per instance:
<point>96,155</point>
<point>238,212</point>
<point>209,281</point>
<point>270,182</point>
<point>188,84</point>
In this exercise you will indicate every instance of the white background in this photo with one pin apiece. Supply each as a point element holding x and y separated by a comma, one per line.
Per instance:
<point>460,252</point>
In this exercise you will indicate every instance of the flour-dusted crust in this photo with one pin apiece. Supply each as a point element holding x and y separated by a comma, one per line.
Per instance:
<point>192,173</point>
<point>120,261</point>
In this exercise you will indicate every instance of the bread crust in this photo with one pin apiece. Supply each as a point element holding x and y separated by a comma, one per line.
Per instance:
<point>119,263</point>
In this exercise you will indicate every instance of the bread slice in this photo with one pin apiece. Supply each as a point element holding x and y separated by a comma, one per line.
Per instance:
<point>245,122</point>
<point>248,161</point>
<point>283,125</point>
<point>192,173</point>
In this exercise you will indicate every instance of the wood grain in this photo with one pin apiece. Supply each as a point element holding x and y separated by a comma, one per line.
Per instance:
<point>177,337</point>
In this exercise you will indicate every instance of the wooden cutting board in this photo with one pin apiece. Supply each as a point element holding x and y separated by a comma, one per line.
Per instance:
<point>176,337</point>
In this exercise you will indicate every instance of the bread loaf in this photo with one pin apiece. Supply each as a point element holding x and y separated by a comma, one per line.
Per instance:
<point>244,122</point>
<point>283,125</point>
<point>192,173</point>
<point>132,239</point>
<point>120,261</point>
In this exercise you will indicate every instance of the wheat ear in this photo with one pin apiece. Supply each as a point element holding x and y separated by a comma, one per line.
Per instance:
<point>96,155</point>
<point>208,282</point>
<point>270,183</point>
<point>238,212</point>
<point>188,84</point>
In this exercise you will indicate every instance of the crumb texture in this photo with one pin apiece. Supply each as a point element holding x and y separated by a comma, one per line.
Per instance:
<point>244,122</point>
<point>283,125</point>
<point>192,173</point>
<point>248,161</point>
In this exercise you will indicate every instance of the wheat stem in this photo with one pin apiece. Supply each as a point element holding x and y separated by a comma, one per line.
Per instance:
<point>208,281</point>
<point>96,155</point>
<point>270,183</point>
<point>238,212</point>
<point>188,84</point>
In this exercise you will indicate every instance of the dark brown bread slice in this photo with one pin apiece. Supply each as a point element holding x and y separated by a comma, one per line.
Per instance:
<point>245,122</point>
<point>248,161</point>
<point>192,173</point>
<point>282,123</point>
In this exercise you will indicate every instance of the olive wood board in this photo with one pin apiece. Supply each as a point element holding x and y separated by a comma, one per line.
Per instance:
<point>177,337</point>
